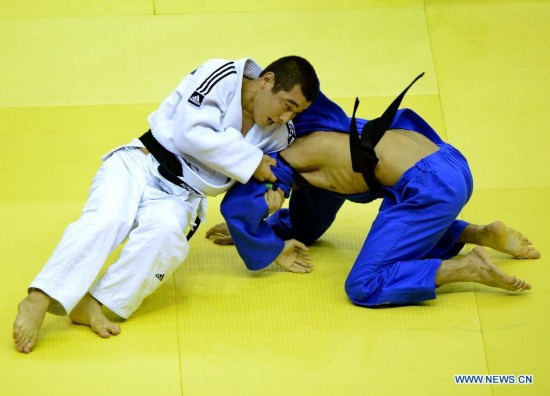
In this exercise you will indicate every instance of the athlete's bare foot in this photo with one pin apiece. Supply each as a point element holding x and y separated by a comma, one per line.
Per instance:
<point>88,312</point>
<point>31,312</point>
<point>500,237</point>
<point>476,266</point>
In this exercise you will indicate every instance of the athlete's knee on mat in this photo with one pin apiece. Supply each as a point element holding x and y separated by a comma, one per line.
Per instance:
<point>364,290</point>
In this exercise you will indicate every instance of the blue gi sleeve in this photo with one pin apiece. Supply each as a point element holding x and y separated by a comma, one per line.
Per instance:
<point>244,209</point>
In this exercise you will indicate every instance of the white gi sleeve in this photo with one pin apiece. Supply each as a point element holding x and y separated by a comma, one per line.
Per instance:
<point>201,132</point>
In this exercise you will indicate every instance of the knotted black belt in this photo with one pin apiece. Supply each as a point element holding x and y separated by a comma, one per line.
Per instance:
<point>169,167</point>
<point>363,156</point>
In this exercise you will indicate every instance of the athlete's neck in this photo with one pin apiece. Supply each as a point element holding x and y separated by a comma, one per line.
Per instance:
<point>248,93</point>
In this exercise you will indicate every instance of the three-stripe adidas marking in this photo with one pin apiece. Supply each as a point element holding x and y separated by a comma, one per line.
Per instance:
<point>160,277</point>
<point>219,74</point>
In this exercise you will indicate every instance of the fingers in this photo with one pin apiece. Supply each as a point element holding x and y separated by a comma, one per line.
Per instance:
<point>274,200</point>
<point>302,262</point>
<point>301,265</point>
<point>298,269</point>
<point>270,197</point>
<point>218,229</point>
<point>300,245</point>
<point>271,177</point>
<point>220,234</point>
<point>209,233</point>
<point>294,258</point>
<point>224,240</point>
<point>269,161</point>
<point>263,171</point>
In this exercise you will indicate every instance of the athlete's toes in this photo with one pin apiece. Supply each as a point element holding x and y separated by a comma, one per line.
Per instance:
<point>27,348</point>
<point>25,345</point>
<point>20,346</point>
<point>519,284</point>
<point>114,329</point>
<point>525,285</point>
<point>532,253</point>
<point>101,330</point>
<point>22,342</point>
<point>17,337</point>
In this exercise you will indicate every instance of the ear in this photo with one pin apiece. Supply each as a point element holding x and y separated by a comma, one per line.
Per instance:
<point>268,79</point>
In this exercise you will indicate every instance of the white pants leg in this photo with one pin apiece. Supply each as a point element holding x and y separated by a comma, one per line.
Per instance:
<point>155,248</point>
<point>107,218</point>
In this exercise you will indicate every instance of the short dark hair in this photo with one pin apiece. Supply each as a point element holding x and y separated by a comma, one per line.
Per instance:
<point>294,70</point>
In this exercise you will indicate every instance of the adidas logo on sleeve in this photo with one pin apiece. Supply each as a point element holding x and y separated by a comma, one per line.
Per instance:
<point>204,89</point>
<point>196,99</point>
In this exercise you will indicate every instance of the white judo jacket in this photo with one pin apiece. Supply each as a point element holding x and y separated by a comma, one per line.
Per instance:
<point>201,120</point>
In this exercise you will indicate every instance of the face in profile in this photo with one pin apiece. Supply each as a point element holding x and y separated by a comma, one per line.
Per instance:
<point>277,108</point>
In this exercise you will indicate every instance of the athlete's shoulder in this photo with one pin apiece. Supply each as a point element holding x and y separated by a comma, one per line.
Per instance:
<point>220,75</point>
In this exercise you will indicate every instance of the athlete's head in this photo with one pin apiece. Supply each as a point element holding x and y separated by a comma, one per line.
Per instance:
<point>290,86</point>
<point>293,70</point>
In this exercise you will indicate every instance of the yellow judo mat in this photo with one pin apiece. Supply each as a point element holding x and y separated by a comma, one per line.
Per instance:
<point>79,78</point>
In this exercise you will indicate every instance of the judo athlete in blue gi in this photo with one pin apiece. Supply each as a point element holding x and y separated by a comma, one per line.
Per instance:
<point>410,249</point>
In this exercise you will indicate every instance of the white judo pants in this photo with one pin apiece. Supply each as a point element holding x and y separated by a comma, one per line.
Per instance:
<point>128,199</point>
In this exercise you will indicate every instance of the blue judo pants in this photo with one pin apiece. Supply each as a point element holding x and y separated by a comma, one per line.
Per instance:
<point>414,231</point>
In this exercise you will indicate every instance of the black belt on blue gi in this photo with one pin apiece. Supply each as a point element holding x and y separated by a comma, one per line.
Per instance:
<point>169,168</point>
<point>363,156</point>
<point>299,180</point>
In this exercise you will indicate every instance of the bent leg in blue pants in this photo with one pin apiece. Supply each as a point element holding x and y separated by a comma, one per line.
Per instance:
<point>414,231</point>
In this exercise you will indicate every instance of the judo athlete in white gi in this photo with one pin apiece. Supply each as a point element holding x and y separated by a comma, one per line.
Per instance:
<point>210,132</point>
<point>411,247</point>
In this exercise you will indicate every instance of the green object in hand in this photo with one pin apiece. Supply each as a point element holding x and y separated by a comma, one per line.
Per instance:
<point>268,186</point>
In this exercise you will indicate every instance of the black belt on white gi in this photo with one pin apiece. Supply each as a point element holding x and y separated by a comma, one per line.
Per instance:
<point>363,156</point>
<point>170,167</point>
